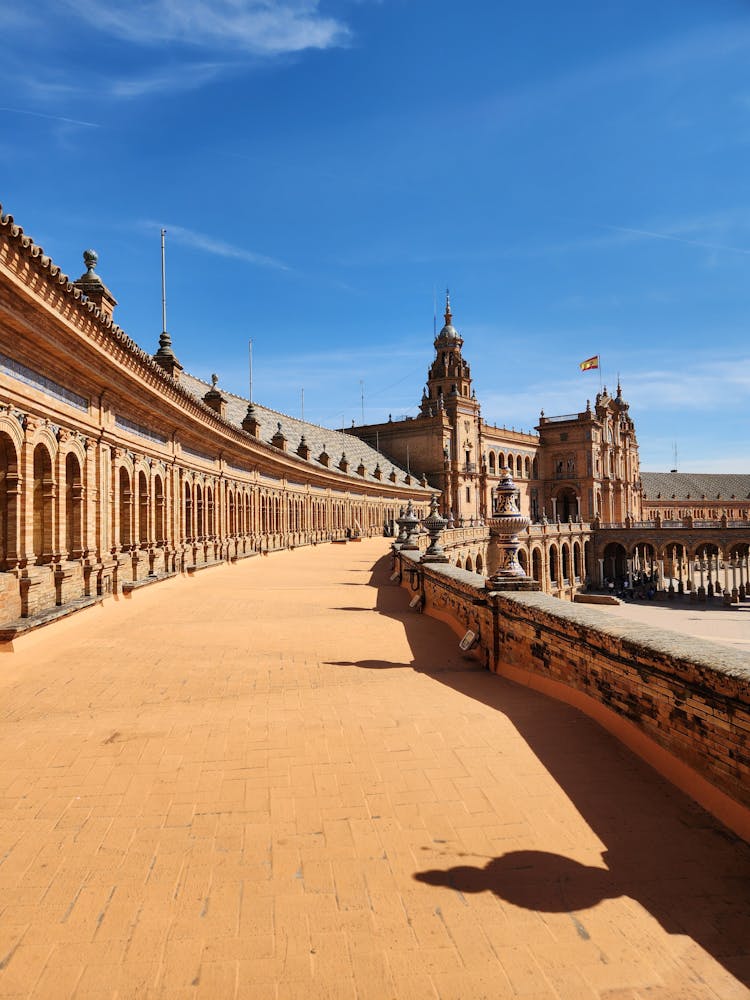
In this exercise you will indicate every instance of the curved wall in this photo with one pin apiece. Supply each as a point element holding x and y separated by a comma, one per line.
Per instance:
<point>112,472</point>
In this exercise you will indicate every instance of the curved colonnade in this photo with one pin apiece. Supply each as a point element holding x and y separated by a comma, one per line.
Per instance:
<point>558,556</point>
<point>711,558</point>
<point>113,473</point>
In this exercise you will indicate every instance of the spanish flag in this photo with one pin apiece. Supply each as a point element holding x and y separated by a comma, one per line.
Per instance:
<point>589,363</point>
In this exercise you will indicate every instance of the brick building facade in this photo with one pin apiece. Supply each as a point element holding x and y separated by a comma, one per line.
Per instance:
<point>578,466</point>
<point>117,468</point>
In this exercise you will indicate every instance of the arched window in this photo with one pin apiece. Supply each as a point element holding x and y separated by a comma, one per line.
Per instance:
<point>126,507</point>
<point>492,463</point>
<point>553,563</point>
<point>43,494</point>
<point>199,530</point>
<point>519,467</point>
<point>142,508</point>
<point>536,565</point>
<point>8,502</point>
<point>73,506</point>
<point>188,511</point>
<point>159,510</point>
<point>527,467</point>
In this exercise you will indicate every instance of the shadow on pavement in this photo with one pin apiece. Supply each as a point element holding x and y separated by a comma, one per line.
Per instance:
<point>662,849</point>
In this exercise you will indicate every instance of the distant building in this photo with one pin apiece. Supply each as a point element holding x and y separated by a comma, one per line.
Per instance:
<point>675,496</point>
<point>580,466</point>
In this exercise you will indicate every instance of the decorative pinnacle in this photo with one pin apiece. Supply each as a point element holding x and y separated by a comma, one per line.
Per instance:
<point>448,313</point>
<point>214,380</point>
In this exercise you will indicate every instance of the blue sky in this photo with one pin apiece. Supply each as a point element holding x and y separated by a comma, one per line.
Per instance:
<point>576,172</point>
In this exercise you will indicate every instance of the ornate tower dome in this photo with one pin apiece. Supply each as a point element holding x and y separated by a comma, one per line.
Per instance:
<point>449,335</point>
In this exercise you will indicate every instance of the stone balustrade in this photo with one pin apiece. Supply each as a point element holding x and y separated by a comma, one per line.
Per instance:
<point>680,703</point>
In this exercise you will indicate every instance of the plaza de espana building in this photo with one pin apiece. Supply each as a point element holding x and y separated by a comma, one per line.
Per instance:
<point>119,469</point>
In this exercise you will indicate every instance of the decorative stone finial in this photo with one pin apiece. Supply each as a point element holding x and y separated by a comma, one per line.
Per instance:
<point>92,286</point>
<point>214,380</point>
<point>435,524</point>
<point>448,313</point>
<point>90,259</point>
<point>409,525</point>
<point>507,521</point>
<point>250,422</point>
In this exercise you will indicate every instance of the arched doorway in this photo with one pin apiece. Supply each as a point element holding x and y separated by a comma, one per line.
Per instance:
<point>565,553</point>
<point>536,565</point>
<point>566,505</point>
<point>553,567</point>
<point>615,562</point>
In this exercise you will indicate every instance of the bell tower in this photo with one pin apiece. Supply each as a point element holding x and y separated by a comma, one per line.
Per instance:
<point>449,377</point>
<point>449,395</point>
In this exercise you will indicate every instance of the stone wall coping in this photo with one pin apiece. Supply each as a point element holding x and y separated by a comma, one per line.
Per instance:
<point>665,642</point>
<point>701,652</point>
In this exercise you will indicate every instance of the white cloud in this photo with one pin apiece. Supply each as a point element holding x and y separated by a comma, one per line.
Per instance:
<point>262,27</point>
<point>219,248</point>
<point>51,118</point>
<point>649,234</point>
<point>170,80</point>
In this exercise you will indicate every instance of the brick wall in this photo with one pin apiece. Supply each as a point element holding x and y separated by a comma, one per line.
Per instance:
<point>679,702</point>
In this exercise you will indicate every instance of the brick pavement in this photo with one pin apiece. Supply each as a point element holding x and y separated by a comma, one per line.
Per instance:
<point>274,781</point>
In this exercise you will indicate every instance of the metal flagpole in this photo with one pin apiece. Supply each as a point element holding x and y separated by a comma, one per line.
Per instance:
<point>362,398</point>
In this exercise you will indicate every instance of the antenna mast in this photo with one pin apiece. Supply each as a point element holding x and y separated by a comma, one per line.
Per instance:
<point>250,368</point>
<point>163,285</point>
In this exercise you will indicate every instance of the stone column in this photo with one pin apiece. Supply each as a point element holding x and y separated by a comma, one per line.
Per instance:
<point>601,572</point>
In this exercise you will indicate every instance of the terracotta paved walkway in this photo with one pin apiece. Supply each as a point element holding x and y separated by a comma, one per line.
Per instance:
<point>273,781</point>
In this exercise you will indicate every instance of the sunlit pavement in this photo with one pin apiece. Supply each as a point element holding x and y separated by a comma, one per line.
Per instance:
<point>274,781</point>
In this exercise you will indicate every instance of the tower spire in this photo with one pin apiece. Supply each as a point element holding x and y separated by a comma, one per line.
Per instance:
<point>448,313</point>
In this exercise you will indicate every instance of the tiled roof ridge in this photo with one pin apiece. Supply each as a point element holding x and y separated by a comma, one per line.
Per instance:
<point>715,475</point>
<point>35,251</point>
<point>695,485</point>
<point>270,409</point>
<point>354,446</point>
